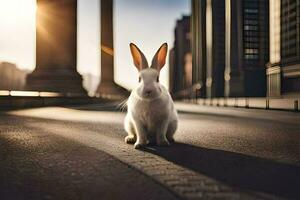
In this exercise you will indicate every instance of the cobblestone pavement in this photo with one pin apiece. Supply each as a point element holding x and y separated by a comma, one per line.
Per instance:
<point>79,153</point>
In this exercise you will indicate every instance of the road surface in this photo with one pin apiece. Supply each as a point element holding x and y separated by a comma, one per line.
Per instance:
<point>79,153</point>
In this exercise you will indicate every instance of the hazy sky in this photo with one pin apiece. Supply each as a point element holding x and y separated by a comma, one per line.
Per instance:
<point>17,32</point>
<point>148,23</point>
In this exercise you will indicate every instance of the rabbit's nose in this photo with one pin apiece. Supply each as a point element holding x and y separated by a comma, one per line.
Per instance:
<point>148,92</point>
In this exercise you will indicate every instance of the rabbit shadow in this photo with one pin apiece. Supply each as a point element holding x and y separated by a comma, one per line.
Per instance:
<point>235,169</point>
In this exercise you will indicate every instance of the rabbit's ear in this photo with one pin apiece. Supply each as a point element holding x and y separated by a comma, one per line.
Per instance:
<point>139,59</point>
<point>159,59</point>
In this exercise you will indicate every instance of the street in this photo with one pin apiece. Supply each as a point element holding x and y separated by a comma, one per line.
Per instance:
<point>80,153</point>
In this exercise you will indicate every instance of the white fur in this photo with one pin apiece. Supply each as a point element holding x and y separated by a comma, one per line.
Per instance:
<point>151,118</point>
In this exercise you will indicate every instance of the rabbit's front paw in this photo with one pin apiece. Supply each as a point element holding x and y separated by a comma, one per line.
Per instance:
<point>164,142</point>
<point>171,140</point>
<point>130,139</point>
<point>139,145</point>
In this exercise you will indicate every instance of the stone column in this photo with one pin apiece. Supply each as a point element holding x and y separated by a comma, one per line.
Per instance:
<point>233,74</point>
<point>107,85</point>
<point>56,48</point>
<point>198,44</point>
<point>215,48</point>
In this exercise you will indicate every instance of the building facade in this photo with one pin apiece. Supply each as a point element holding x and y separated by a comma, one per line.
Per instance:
<point>230,47</point>
<point>255,46</point>
<point>283,69</point>
<point>247,47</point>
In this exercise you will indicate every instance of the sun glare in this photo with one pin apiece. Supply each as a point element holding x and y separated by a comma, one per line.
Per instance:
<point>16,10</point>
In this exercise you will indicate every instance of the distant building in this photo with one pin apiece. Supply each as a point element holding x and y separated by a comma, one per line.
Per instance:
<point>171,70</point>
<point>180,74</point>
<point>11,77</point>
<point>283,69</point>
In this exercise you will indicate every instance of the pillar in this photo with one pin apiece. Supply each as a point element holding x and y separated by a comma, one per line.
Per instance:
<point>215,48</point>
<point>198,44</point>
<point>233,74</point>
<point>107,85</point>
<point>56,43</point>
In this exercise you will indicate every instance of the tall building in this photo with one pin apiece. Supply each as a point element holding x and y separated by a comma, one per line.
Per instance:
<point>247,43</point>
<point>261,47</point>
<point>179,60</point>
<point>230,47</point>
<point>283,69</point>
<point>256,46</point>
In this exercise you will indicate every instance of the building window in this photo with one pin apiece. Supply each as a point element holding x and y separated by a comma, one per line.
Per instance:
<point>290,23</point>
<point>251,11</point>
<point>251,51</point>
<point>251,57</point>
<point>250,28</point>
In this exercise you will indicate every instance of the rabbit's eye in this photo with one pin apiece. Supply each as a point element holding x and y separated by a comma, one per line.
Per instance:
<point>139,79</point>
<point>157,79</point>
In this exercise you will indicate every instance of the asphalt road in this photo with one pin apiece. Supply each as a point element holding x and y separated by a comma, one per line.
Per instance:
<point>79,153</point>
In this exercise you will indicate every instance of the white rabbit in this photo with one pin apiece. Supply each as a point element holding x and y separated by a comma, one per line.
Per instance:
<point>151,115</point>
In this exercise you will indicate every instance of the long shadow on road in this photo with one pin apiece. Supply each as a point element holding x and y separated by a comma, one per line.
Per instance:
<point>235,169</point>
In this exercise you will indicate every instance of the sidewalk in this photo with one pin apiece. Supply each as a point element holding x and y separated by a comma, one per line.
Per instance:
<point>240,112</point>
<point>291,103</point>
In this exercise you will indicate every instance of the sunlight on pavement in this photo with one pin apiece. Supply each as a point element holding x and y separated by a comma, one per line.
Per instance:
<point>69,114</point>
<point>227,129</point>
